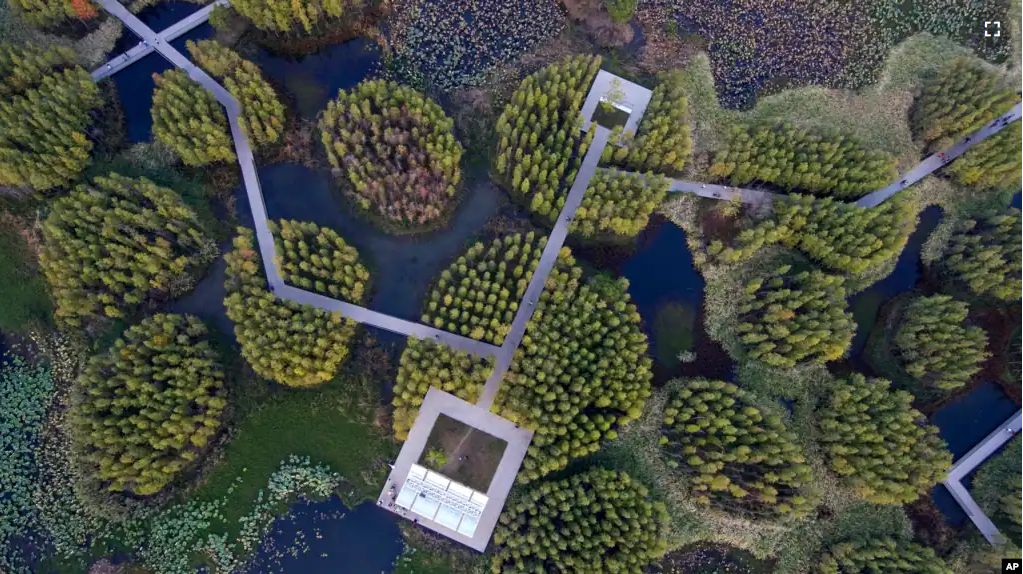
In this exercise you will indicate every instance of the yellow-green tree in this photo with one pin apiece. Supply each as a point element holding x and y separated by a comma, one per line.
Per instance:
<point>295,345</point>
<point>735,456</point>
<point>829,163</point>
<point>285,16</point>
<point>46,106</point>
<point>262,118</point>
<point>986,256</point>
<point>881,556</point>
<point>934,343</point>
<point>189,120</point>
<point>839,235</point>
<point>792,318</point>
<point>114,245</point>
<point>962,97</point>
<point>145,410</point>
<point>581,371</point>
<point>879,444</point>
<point>662,142</point>
<point>596,521</point>
<point>539,143</point>
<point>51,13</point>
<point>318,259</point>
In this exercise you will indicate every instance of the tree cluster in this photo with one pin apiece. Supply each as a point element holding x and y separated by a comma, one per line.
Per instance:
<point>986,256</point>
<point>295,345</point>
<point>189,120</point>
<point>145,409</point>
<point>109,247</point>
<point>736,457</point>
<point>618,203</point>
<point>992,163</point>
<point>540,144</point>
<point>934,344</point>
<point>792,318</point>
<point>46,105</point>
<point>881,556</point>
<point>828,163</point>
<point>879,444</point>
<point>284,16</point>
<point>426,364</point>
<point>581,370</point>
<point>596,521</point>
<point>52,13</point>
<point>395,148</point>
<point>262,113</point>
<point>318,259</point>
<point>837,234</point>
<point>662,142</point>
<point>959,99</point>
<point>478,295</point>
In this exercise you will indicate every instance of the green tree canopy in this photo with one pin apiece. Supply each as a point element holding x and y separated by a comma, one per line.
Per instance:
<point>662,142</point>
<point>828,163</point>
<point>881,556</point>
<point>189,120</point>
<point>118,243</point>
<point>596,521</point>
<point>962,97</point>
<point>295,345</point>
<point>879,444</point>
<point>539,143</point>
<point>145,409</point>
<point>318,259</point>
<point>992,163</point>
<point>986,256</point>
<point>934,344</point>
<point>618,203</point>
<point>793,318</point>
<point>295,17</point>
<point>395,148</point>
<point>735,456</point>
<point>262,119</point>
<point>581,370</point>
<point>837,234</point>
<point>51,13</point>
<point>46,105</point>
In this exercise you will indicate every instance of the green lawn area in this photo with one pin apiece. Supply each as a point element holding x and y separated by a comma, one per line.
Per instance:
<point>26,296</point>
<point>332,424</point>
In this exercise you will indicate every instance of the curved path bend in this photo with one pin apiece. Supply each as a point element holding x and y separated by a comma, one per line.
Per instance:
<point>159,43</point>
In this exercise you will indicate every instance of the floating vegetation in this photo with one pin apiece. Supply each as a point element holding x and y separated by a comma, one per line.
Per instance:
<point>759,46</point>
<point>449,45</point>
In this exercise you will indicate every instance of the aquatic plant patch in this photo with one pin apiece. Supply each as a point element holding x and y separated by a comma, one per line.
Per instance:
<point>762,46</point>
<point>449,45</point>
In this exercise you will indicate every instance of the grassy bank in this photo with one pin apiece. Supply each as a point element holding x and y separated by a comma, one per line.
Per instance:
<point>26,295</point>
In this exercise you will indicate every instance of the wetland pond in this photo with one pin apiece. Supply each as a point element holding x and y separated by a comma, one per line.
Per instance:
<point>666,288</point>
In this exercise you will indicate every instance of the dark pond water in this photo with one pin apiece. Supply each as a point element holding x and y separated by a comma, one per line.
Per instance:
<point>666,288</point>
<point>964,423</point>
<point>135,88</point>
<point>402,267</point>
<point>325,537</point>
<point>315,79</point>
<point>908,271</point>
<point>163,14</point>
